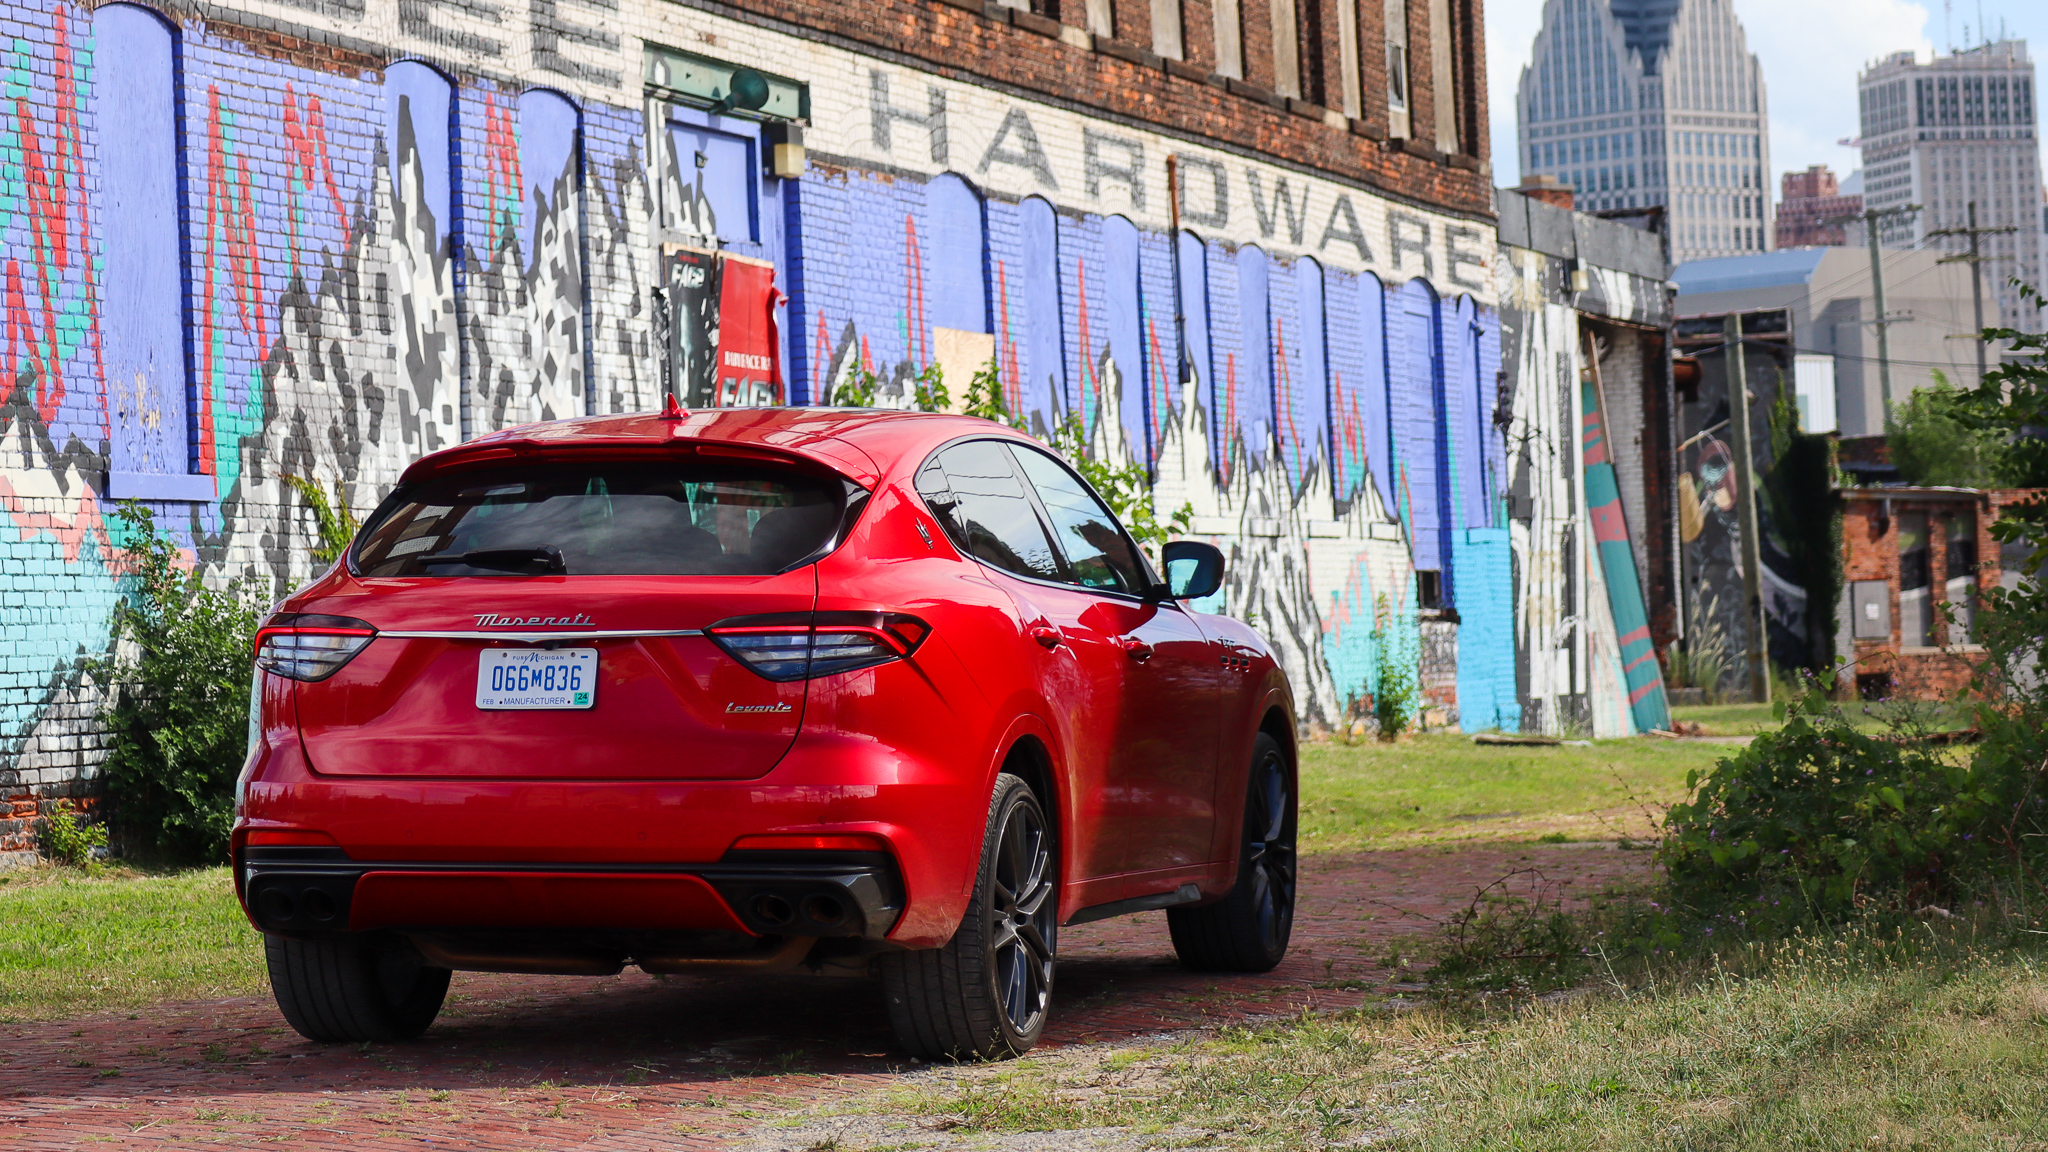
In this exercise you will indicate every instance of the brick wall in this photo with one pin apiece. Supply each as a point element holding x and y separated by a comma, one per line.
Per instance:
<point>1870,542</point>
<point>401,224</point>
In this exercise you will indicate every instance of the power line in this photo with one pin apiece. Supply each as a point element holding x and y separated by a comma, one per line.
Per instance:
<point>1976,262</point>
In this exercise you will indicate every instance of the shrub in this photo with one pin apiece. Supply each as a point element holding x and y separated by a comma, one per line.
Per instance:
<point>1816,818</point>
<point>178,680</point>
<point>70,842</point>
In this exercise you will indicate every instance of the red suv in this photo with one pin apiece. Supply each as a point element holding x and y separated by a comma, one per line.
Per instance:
<point>750,690</point>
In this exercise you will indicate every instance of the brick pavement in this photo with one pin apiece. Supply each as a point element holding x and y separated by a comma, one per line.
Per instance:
<point>640,1062</point>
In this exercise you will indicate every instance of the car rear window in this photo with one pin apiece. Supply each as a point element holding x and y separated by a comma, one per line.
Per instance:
<point>618,519</point>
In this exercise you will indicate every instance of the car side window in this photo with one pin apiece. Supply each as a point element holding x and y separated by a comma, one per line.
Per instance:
<point>980,499</point>
<point>1098,553</point>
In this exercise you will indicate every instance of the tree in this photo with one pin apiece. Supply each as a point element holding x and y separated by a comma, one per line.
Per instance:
<point>1935,440</point>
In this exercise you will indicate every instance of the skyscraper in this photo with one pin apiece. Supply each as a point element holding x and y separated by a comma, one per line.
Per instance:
<point>1640,102</point>
<point>1950,133</point>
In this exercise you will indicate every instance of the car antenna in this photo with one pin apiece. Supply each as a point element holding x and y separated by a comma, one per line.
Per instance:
<point>672,410</point>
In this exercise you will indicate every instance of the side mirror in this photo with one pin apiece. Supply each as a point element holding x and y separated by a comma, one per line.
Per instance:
<point>1193,569</point>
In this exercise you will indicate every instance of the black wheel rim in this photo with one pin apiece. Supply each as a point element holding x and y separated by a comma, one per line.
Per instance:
<point>1025,915</point>
<point>1269,851</point>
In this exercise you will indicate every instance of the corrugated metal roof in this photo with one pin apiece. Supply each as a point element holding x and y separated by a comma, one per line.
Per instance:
<point>1761,270</point>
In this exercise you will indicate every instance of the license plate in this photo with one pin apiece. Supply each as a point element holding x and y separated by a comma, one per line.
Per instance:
<point>536,678</point>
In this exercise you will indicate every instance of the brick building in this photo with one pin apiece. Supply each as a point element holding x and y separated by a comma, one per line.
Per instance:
<point>1249,244</point>
<point>1913,563</point>
<point>1810,208</point>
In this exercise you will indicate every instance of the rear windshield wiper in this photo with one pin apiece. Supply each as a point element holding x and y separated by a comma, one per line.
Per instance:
<point>506,559</point>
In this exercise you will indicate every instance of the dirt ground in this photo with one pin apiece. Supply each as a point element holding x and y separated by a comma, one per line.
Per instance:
<point>633,1061</point>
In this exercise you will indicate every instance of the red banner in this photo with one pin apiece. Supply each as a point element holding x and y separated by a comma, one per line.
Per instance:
<point>748,374</point>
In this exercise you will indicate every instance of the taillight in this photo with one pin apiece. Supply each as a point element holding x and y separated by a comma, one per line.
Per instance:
<point>821,644</point>
<point>308,646</point>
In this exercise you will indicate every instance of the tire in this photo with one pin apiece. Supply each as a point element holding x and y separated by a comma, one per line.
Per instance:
<point>985,994</point>
<point>346,991</point>
<point>1248,930</point>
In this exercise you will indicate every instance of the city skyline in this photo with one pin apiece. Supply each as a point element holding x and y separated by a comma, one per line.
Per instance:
<point>1812,52</point>
<point>1637,103</point>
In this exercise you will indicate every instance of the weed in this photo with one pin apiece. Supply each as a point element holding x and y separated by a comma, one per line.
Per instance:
<point>985,396</point>
<point>1126,489</point>
<point>334,523</point>
<point>70,842</point>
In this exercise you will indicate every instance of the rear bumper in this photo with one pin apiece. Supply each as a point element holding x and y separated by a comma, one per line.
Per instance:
<point>541,844</point>
<point>809,894</point>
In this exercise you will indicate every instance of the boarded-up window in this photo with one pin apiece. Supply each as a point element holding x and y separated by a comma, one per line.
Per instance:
<point>149,402</point>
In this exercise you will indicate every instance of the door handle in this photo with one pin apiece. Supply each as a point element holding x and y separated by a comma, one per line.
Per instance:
<point>1135,648</point>
<point>1046,635</point>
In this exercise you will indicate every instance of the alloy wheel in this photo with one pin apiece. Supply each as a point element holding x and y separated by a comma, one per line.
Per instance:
<point>1269,844</point>
<point>1025,918</point>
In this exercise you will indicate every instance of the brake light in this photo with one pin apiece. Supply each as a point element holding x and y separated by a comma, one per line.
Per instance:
<point>787,648</point>
<point>309,646</point>
<point>811,842</point>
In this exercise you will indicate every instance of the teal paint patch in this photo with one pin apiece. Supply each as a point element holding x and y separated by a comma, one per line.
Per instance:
<point>1486,631</point>
<point>54,613</point>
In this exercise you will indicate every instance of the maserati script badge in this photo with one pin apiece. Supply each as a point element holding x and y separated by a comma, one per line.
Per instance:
<point>779,706</point>
<point>493,620</point>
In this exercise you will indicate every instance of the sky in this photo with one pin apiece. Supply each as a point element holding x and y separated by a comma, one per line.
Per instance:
<point>1811,51</point>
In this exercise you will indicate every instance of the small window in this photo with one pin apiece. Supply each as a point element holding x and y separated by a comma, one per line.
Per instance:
<point>1429,590</point>
<point>1098,553</point>
<point>611,519</point>
<point>1870,615</point>
<point>1396,13</point>
<point>1916,613</point>
<point>976,494</point>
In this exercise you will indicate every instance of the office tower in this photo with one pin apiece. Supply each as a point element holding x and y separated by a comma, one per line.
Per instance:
<point>1950,133</point>
<point>1638,102</point>
<point>1811,206</point>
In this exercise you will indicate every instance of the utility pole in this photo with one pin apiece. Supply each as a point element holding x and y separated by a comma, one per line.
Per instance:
<point>1976,262</point>
<point>1884,344</point>
<point>1870,218</point>
<point>1745,509</point>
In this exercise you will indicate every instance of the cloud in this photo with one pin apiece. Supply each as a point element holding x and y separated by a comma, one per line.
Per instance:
<point>1811,51</point>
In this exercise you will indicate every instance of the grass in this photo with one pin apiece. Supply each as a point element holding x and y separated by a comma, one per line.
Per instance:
<point>1751,719</point>
<point>1444,787</point>
<point>1726,719</point>
<point>76,942</point>
<point>1820,1043</point>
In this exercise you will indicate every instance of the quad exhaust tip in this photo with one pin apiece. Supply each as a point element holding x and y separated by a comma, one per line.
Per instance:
<point>818,911</point>
<point>281,905</point>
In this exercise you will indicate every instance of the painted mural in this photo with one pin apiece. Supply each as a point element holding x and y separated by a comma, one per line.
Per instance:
<point>323,270</point>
